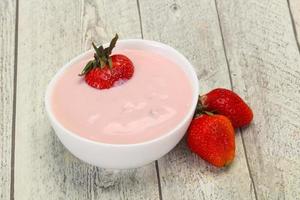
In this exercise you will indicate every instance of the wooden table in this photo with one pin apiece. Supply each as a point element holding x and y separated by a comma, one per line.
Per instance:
<point>250,46</point>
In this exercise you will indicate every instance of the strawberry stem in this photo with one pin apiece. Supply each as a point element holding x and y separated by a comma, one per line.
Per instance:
<point>208,113</point>
<point>110,63</point>
<point>200,109</point>
<point>101,57</point>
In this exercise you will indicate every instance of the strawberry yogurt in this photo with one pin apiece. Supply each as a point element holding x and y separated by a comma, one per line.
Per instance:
<point>149,105</point>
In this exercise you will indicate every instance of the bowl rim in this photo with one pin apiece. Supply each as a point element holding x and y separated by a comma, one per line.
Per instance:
<point>195,94</point>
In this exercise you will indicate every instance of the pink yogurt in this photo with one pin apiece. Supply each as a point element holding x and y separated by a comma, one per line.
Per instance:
<point>149,105</point>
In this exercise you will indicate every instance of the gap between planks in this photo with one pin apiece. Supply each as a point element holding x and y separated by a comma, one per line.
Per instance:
<point>293,26</point>
<point>12,166</point>
<point>140,18</point>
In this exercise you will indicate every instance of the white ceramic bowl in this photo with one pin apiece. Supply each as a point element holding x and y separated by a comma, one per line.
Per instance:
<point>121,156</point>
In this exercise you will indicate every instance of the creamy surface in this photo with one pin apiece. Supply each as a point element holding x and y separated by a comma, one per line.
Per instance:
<point>150,104</point>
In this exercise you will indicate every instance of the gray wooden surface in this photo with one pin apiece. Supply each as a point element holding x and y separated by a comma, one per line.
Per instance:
<point>250,46</point>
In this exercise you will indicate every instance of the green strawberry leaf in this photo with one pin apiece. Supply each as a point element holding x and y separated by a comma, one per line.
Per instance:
<point>101,57</point>
<point>88,67</point>
<point>112,44</point>
<point>98,53</point>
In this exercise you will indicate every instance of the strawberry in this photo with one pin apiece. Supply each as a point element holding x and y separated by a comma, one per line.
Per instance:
<point>105,69</point>
<point>212,138</point>
<point>228,103</point>
<point>100,78</point>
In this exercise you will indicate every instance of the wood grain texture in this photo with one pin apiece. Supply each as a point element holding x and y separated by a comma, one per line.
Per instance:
<point>265,66</point>
<point>193,29</point>
<point>7,47</point>
<point>50,34</point>
<point>295,12</point>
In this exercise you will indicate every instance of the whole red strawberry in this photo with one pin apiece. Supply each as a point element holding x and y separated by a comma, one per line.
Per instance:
<point>212,138</point>
<point>105,70</point>
<point>228,103</point>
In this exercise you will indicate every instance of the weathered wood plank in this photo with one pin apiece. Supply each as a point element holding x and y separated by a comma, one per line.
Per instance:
<point>265,65</point>
<point>52,32</point>
<point>7,48</point>
<point>193,29</point>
